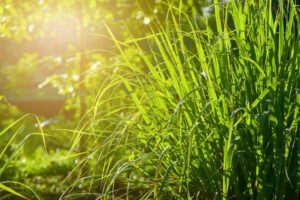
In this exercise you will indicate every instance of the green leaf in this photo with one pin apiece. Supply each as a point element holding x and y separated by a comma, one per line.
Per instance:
<point>8,189</point>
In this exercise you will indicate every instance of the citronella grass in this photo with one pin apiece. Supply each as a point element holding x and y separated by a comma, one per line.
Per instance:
<point>202,114</point>
<point>217,110</point>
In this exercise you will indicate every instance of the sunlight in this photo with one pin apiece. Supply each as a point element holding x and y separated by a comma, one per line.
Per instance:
<point>64,27</point>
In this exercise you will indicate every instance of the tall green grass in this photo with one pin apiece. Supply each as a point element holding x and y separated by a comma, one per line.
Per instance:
<point>216,111</point>
<point>207,113</point>
<point>13,188</point>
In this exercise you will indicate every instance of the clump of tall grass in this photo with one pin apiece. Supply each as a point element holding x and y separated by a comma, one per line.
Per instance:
<point>216,110</point>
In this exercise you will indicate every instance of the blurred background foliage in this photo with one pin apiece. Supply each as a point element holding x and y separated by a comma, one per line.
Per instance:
<point>54,44</point>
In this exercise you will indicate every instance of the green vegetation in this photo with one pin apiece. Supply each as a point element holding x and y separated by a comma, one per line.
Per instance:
<point>194,105</point>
